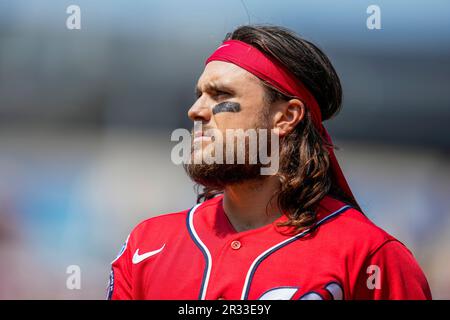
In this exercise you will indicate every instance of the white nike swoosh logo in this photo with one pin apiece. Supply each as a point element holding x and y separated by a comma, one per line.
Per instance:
<point>141,257</point>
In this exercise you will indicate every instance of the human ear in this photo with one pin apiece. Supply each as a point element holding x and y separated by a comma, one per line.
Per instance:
<point>287,115</point>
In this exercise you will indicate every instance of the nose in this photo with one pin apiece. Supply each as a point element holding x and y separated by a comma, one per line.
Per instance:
<point>199,111</point>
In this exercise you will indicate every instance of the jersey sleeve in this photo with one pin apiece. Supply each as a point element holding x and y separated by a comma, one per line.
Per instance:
<point>392,273</point>
<point>120,281</point>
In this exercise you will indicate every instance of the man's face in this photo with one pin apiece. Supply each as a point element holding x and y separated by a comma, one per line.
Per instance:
<point>225,82</point>
<point>228,97</point>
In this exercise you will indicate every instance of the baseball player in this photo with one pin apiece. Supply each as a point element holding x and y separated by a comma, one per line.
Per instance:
<point>296,234</point>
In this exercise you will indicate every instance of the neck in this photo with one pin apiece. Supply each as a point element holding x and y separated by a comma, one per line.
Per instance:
<point>247,204</point>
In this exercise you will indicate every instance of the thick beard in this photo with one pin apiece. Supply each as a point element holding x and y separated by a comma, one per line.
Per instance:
<point>218,176</point>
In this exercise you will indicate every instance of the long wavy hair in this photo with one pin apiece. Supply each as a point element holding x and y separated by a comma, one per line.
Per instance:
<point>304,168</point>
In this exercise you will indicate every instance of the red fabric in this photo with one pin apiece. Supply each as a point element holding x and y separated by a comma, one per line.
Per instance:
<point>330,263</point>
<point>272,72</point>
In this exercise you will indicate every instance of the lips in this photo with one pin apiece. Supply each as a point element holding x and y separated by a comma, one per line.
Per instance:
<point>201,136</point>
<point>202,133</point>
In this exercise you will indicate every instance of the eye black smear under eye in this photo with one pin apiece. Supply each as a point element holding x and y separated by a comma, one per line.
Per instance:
<point>226,106</point>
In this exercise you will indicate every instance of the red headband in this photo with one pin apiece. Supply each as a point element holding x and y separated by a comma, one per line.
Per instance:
<point>275,74</point>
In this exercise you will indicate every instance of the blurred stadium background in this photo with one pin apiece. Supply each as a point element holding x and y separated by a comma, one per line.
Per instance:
<point>86,117</point>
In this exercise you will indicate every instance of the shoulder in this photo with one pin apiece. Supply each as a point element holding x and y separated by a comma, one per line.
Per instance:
<point>169,224</point>
<point>354,242</point>
<point>350,228</point>
<point>160,224</point>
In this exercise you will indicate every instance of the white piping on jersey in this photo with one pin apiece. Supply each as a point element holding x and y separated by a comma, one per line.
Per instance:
<point>122,250</point>
<point>275,247</point>
<point>194,233</point>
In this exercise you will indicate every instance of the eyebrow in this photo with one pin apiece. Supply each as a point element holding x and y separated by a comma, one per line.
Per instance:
<point>212,86</point>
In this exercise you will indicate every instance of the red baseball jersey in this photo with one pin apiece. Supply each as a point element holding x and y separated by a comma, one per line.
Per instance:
<point>197,254</point>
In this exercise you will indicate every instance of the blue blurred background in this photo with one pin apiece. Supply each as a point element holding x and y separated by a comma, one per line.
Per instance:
<point>86,117</point>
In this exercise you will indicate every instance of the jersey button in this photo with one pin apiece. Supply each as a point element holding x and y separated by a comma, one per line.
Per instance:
<point>235,245</point>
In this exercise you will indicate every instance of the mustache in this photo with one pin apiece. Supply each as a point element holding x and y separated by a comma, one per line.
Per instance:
<point>202,132</point>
